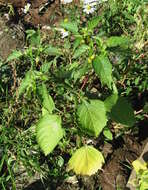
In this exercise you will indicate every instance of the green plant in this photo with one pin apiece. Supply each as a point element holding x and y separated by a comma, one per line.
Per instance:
<point>73,89</point>
<point>141,169</point>
<point>94,51</point>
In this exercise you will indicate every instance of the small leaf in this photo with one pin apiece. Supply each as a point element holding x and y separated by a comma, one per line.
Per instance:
<point>53,51</point>
<point>81,50</point>
<point>92,117</point>
<point>14,55</point>
<point>70,26</point>
<point>103,69</point>
<point>47,99</point>
<point>77,42</point>
<point>49,132</point>
<point>93,23</point>
<point>45,67</point>
<point>110,102</point>
<point>107,133</point>
<point>115,41</point>
<point>86,161</point>
<point>122,112</point>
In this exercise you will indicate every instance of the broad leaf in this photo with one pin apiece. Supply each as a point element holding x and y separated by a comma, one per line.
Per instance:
<point>110,102</point>
<point>70,26</point>
<point>49,132</point>
<point>122,112</point>
<point>14,55</point>
<point>47,99</point>
<point>103,69</point>
<point>50,50</point>
<point>81,50</point>
<point>86,161</point>
<point>92,117</point>
<point>117,41</point>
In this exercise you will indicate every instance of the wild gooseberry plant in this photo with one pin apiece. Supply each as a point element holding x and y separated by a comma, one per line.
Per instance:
<point>87,54</point>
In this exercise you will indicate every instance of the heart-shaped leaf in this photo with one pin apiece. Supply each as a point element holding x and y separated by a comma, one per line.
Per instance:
<point>92,117</point>
<point>86,161</point>
<point>49,132</point>
<point>122,112</point>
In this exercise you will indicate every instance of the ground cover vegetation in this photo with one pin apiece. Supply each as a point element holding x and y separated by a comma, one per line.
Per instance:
<point>65,96</point>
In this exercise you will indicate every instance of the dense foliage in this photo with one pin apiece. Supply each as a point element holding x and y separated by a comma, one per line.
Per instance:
<point>57,96</point>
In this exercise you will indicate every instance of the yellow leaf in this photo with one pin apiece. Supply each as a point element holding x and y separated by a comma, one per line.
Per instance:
<point>139,166</point>
<point>86,161</point>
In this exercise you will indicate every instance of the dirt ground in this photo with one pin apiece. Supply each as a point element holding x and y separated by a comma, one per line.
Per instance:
<point>41,12</point>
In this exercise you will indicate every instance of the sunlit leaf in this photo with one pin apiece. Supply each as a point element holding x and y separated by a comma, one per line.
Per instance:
<point>47,100</point>
<point>138,165</point>
<point>107,133</point>
<point>86,161</point>
<point>70,26</point>
<point>92,117</point>
<point>49,132</point>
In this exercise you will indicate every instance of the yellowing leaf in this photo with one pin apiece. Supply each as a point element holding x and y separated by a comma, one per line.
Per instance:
<point>86,161</point>
<point>139,166</point>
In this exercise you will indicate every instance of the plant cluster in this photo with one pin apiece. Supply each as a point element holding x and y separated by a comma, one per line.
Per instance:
<point>72,90</point>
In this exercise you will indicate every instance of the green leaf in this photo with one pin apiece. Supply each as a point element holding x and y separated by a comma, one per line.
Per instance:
<point>110,102</point>
<point>77,42</point>
<point>118,41</point>
<point>103,69</point>
<point>80,71</point>
<point>27,82</point>
<point>47,100</point>
<point>70,26</point>
<point>34,37</point>
<point>122,112</point>
<point>86,161</point>
<point>49,132</point>
<point>14,55</point>
<point>93,23</point>
<point>81,50</point>
<point>45,67</point>
<point>53,51</point>
<point>92,117</point>
<point>107,133</point>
